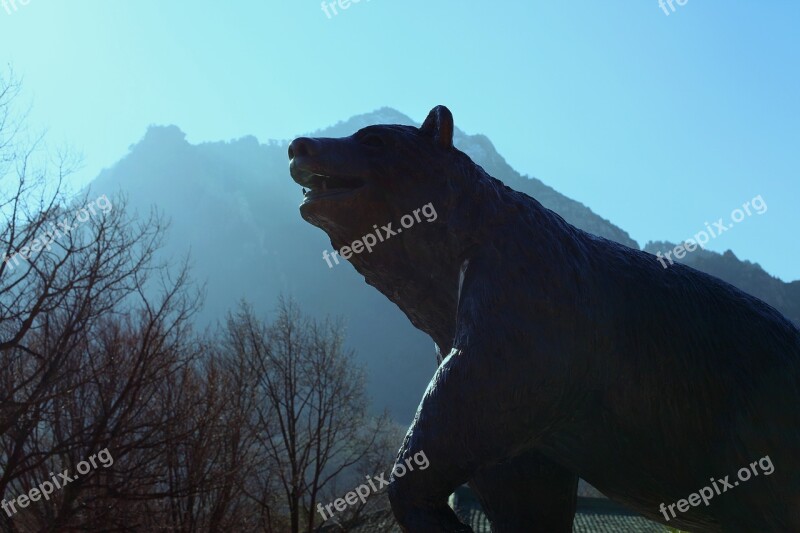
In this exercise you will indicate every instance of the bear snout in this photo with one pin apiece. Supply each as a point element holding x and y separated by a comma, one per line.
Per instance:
<point>301,147</point>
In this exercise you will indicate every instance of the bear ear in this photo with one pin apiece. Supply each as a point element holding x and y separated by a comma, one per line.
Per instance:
<point>439,125</point>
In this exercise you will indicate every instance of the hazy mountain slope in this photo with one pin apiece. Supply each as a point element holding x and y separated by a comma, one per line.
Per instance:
<point>234,206</point>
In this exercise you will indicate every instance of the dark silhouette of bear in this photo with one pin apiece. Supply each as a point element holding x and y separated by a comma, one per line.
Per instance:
<point>566,354</point>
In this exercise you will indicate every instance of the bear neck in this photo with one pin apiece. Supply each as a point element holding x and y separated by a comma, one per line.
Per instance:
<point>482,214</point>
<point>427,294</point>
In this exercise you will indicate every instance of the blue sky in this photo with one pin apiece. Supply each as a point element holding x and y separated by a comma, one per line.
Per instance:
<point>659,123</point>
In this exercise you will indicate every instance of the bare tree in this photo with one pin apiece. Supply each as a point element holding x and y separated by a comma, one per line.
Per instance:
<point>246,431</point>
<point>83,350</point>
<point>53,287</point>
<point>312,417</point>
<point>379,460</point>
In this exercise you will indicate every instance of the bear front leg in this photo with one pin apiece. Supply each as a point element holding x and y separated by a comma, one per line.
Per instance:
<point>527,493</point>
<point>462,425</point>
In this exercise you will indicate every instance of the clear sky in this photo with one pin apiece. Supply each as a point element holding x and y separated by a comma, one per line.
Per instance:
<point>660,123</point>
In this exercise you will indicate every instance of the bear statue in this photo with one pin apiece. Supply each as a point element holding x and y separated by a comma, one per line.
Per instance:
<point>562,354</point>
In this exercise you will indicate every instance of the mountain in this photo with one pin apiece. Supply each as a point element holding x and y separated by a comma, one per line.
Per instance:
<point>235,208</point>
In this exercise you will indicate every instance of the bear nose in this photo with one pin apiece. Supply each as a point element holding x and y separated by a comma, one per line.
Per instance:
<point>302,146</point>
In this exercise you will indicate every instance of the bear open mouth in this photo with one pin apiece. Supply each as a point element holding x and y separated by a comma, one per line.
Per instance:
<point>321,186</point>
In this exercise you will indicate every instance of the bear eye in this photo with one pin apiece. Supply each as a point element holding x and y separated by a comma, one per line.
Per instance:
<point>371,139</point>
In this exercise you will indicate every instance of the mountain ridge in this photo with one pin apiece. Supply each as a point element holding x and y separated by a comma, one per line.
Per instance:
<point>234,206</point>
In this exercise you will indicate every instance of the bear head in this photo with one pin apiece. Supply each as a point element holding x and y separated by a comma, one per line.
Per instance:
<point>358,184</point>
